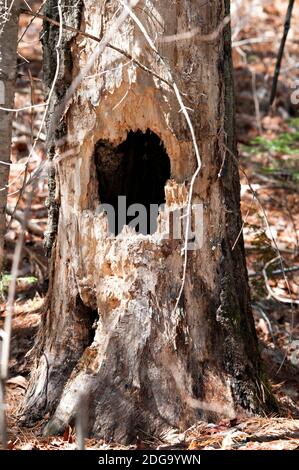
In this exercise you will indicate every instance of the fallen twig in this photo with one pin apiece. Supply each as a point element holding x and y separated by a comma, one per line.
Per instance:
<point>276,272</point>
<point>271,291</point>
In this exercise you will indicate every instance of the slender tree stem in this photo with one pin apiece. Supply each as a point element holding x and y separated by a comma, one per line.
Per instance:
<point>287,25</point>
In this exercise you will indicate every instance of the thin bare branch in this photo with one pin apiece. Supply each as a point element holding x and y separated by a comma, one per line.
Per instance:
<point>287,25</point>
<point>98,40</point>
<point>195,32</point>
<point>35,15</point>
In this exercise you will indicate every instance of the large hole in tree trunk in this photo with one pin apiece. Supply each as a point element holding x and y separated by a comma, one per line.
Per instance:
<point>88,318</point>
<point>138,169</point>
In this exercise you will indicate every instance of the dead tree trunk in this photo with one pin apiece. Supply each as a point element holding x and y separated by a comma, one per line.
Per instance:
<point>112,328</point>
<point>9,16</point>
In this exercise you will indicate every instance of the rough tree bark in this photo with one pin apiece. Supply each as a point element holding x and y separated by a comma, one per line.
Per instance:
<point>9,19</point>
<point>109,330</point>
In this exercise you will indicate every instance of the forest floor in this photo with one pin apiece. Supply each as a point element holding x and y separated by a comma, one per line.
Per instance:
<point>269,171</point>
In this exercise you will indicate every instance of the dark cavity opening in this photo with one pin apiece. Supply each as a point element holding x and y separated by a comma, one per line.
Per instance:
<point>88,319</point>
<point>138,169</point>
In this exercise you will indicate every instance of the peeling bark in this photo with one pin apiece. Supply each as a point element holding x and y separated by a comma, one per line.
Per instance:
<point>109,330</point>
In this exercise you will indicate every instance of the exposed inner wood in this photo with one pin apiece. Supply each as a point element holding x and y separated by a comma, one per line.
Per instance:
<point>155,366</point>
<point>138,169</point>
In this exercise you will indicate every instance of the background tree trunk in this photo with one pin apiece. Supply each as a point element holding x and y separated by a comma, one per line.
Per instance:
<point>109,330</point>
<point>9,19</point>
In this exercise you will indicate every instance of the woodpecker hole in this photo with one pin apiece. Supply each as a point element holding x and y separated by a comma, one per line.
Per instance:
<point>138,169</point>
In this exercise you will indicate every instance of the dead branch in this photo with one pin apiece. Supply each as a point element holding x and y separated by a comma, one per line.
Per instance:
<point>98,40</point>
<point>276,272</point>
